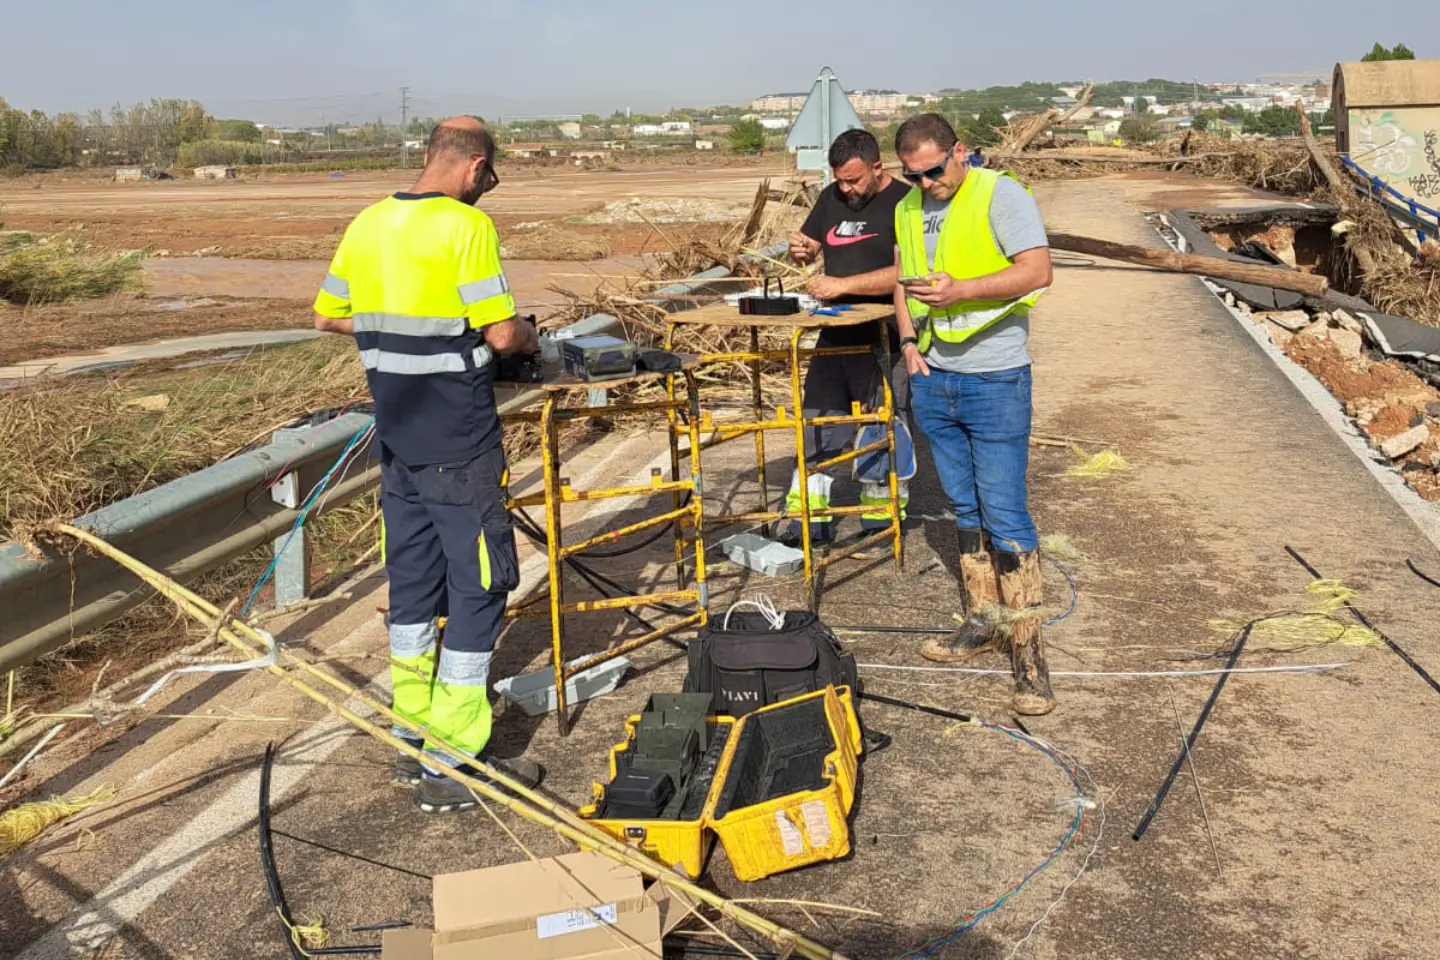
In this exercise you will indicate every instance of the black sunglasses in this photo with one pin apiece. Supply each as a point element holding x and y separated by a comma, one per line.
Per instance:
<point>934,173</point>
<point>489,180</point>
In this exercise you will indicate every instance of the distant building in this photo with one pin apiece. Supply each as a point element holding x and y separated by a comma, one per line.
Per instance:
<point>884,103</point>
<point>776,123</point>
<point>132,174</point>
<point>778,102</point>
<point>670,128</point>
<point>528,150</point>
<point>569,130</point>
<point>704,144</point>
<point>1386,118</point>
<point>215,172</point>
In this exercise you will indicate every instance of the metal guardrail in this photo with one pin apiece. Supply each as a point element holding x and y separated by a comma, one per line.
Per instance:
<point>198,523</point>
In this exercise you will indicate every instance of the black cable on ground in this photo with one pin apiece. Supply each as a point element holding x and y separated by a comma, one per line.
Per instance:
<point>1424,674</point>
<point>272,876</point>
<point>352,856</point>
<point>1416,570</point>
<point>875,628</point>
<point>595,554</point>
<point>918,708</point>
<point>1194,734</point>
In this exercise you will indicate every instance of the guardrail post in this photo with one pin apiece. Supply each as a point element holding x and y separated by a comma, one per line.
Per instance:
<point>292,552</point>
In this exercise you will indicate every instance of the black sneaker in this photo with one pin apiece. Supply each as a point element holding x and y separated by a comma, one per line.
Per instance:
<point>440,794</point>
<point>406,771</point>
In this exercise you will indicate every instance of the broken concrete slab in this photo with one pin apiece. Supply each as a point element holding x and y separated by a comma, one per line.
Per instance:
<point>1402,443</point>
<point>1345,321</point>
<point>1292,320</point>
<point>1348,342</point>
<point>1279,335</point>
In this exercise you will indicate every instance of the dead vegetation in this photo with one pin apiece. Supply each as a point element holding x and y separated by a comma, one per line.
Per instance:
<point>39,271</point>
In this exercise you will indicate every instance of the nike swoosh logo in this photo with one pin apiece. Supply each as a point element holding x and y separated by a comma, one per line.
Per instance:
<point>837,241</point>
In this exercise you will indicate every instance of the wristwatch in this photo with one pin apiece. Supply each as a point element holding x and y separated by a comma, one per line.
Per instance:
<point>905,341</point>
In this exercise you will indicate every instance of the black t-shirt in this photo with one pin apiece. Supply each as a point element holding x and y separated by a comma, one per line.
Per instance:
<point>855,242</point>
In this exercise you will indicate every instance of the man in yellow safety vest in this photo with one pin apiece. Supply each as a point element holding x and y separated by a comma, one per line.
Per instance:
<point>973,260</point>
<point>417,281</point>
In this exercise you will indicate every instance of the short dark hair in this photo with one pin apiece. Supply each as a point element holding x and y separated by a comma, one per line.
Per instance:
<point>455,140</point>
<point>852,144</point>
<point>926,128</point>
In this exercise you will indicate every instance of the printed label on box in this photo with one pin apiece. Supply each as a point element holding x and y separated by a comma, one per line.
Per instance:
<point>790,836</point>
<point>574,921</point>
<point>817,822</point>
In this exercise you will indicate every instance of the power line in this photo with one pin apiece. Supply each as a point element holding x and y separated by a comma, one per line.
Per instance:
<point>404,132</point>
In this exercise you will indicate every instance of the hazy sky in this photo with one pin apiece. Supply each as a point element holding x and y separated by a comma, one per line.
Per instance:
<point>305,61</point>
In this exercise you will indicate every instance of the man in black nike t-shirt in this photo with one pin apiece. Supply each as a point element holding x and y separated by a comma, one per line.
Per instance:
<point>853,228</point>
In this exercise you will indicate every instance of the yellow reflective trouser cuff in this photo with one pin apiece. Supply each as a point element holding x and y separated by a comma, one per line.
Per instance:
<point>410,679</point>
<point>878,495</point>
<point>460,703</point>
<point>460,716</point>
<point>819,485</point>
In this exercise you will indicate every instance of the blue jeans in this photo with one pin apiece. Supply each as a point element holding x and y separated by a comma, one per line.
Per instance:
<point>978,426</point>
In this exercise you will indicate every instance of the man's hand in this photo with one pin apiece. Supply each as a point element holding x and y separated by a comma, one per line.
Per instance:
<point>803,249</point>
<point>827,288</point>
<point>943,290</point>
<point>914,362</point>
<point>513,336</point>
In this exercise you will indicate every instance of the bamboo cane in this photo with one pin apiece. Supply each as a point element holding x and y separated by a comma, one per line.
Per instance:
<point>543,812</point>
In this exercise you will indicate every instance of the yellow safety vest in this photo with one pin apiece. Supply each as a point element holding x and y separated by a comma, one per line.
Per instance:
<point>966,250</point>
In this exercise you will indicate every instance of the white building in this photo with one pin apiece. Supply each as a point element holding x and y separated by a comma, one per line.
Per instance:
<point>776,123</point>
<point>569,130</point>
<point>778,102</point>
<point>704,144</point>
<point>878,102</point>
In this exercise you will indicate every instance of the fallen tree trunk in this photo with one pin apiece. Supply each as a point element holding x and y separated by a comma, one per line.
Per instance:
<point>1275,277</point>
<point>1344,196</point>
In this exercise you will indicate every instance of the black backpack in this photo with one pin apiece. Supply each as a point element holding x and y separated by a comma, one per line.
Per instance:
<point>752,665</point>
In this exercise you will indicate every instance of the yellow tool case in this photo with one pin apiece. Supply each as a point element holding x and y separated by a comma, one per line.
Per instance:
<point>679,839</point>
<point>776,786</point>
<point>787,783</point>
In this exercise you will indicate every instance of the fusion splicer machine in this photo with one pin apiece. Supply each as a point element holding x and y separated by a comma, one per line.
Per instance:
<point>598,357</point>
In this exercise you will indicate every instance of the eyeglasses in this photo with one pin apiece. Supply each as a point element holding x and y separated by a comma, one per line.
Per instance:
<point>489,180</point>
<point>934,173</point>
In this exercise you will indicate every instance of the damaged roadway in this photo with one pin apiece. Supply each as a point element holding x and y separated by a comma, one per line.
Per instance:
<point>1319,788</point>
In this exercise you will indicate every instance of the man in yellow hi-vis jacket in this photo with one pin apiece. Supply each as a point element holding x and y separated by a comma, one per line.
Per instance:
<point>973,260</point>
<point>417,281</point>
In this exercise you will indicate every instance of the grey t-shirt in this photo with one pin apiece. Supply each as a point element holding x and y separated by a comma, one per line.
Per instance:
<point>1017,226</point>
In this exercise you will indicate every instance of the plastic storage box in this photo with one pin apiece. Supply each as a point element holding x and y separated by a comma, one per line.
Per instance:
<point>787,783</point>
<point>534,693</point>
<point>761,555</point>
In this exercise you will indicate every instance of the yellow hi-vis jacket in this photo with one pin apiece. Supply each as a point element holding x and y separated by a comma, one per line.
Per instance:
<point>420,277</point>
<point>966,250</point>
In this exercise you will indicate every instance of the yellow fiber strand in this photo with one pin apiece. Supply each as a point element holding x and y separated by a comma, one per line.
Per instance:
<point>1099,466</point>
<point>20,825</point>
<point>1319,625</point>
<point>1061,547</point>
<point>307,936</point>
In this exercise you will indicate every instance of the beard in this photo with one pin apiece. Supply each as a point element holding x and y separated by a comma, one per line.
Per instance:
<point>475,189</point>
<point>857,201</point>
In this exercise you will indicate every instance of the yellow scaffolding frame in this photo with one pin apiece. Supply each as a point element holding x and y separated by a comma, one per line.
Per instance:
<point>557,492</point>
<point>724,315</point>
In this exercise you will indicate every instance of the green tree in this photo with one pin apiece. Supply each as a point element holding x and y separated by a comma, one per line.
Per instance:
<point>982,130</point>
<point>1379,53</point>
<point>590,119</point>
<point>1139,128</point>
<point>1274,122</point>
<point>747,136</point>
<point>237,131</point>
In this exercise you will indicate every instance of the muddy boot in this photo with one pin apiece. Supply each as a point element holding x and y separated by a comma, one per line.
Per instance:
<point>1021,588</point>
<point>978,587</point>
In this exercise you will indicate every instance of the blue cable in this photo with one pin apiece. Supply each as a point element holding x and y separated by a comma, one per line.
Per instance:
<point>1074,591</point>
<point>938,943</point>
<point>304,514</point>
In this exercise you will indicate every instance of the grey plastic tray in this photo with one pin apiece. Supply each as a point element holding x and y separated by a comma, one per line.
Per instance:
<point>762,555</point>
<point>534,693</point>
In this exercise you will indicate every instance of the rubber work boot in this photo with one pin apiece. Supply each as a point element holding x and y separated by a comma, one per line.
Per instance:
<point>406,771</point>
<point>978,587</point>
<point>440,794</point>
<point>1021,589</point>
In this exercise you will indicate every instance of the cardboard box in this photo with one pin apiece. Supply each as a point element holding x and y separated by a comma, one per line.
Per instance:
<point>582,906</point>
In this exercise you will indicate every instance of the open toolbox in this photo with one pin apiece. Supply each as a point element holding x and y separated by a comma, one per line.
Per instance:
<point>775,786</point>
